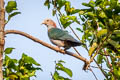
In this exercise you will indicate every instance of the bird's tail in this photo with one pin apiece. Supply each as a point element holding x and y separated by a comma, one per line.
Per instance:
<point>76,43</point>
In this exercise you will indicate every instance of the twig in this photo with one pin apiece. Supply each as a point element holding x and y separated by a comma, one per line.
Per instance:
<point>74,33</point>
<point>104,54</point>
<point>47,45</point>
<point>97,67</point>
<point>107,59</point>
<point>93,74</point>
<point>101,69</point>
<point>76,51</point>
<point>58,22</point>
<point>99,47</point>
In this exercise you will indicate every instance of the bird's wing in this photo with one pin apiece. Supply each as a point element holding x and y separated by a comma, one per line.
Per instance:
<point>58,34</point>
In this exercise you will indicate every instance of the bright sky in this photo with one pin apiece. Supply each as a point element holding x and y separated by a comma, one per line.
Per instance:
<point>33,12</point>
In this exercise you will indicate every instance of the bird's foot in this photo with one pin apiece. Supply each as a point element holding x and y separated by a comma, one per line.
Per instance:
<point>58,48</point>
<point>65,49</point>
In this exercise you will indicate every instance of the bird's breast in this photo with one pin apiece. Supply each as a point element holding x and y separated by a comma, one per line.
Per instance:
<point>58,42</point>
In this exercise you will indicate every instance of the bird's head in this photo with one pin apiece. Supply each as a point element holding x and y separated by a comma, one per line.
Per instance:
<point>49,23</point>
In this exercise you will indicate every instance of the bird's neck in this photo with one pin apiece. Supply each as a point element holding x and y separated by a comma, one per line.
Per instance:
<point>50,27</point>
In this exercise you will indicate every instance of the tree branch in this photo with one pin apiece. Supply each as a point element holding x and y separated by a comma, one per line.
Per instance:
<point>2,40</point>
<point>47,45</point>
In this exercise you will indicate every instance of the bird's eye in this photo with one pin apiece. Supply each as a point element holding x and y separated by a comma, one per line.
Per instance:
<point>47,20</point>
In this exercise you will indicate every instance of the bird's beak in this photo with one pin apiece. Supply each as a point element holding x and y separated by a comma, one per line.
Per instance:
<point>42,23</point>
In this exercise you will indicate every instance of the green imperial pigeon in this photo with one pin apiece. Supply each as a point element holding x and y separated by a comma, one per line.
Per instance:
<point>60,37</point>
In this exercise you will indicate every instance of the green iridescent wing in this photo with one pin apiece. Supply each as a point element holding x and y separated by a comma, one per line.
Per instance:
<point>58,34</point>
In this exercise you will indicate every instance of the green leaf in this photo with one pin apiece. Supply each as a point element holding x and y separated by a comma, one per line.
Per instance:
<point>59,65</point>
<point>73,11</point>
<point>90,14</point>
<point>99,59</point>
<point>8,50</point>
<point>68,71</point>
<point>47,3</point>
<point>102,14</point>
<point>13,76</point>
<point>29,60</point>
<point>60,3</point>
<point>113,3</point>
<point>98,2</point>
<point>90,4</point>
<point>116,32</point>
<point>101,33</point>
<point>61,61</point>
<point>92,49</point>
<point>86,4</point>
<point>79,29</point>
<point>12,5</point>
<point>53,12</point>
<point>81,12</point>
<point>13,14</point>
<point>114,43</point>
<point>67,7</point>
<point>67,20</point>
<point>32,73</point>
<point>55,76</point>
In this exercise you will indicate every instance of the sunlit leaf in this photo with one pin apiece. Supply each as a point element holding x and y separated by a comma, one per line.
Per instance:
<point>98,2</point>
<point>114,43</point>
<point>53,12</point>
<point>11,5</point>
<point>92,49</point>
<point>67,20</point>
<point>47,3</point>
<point>90,14</point>
<point>55,76</point>
<point>102,14</point>
<point>102,32</point>
<point>61,61</point>
<point>29,60</point>
<point>13,14</point>
<point>64,69</point>
<point>68,71</point>
<point>8,50</point>
<point>13,76</point>
<point>79,29</point>
<point>99,59</point>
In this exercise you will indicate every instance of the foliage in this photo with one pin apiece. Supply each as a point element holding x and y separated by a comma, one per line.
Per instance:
<point>22,69</point>
<point>11,9</point>
<point>59,67</point>
<point>26,67</point>
<point>100,22</point>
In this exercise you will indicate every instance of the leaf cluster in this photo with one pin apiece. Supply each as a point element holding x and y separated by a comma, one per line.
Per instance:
<point>68,17</point>
<point>100,20</point>
<point>59,67</point>
<point>21,69</point>
<point>11,9</point>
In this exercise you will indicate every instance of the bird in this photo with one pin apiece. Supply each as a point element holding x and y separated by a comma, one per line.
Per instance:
<point>59,37</point>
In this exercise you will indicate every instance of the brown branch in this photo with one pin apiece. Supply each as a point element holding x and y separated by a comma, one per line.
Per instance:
<point>107,59</point>
<point>47,45</point>
<point>2,40</point>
